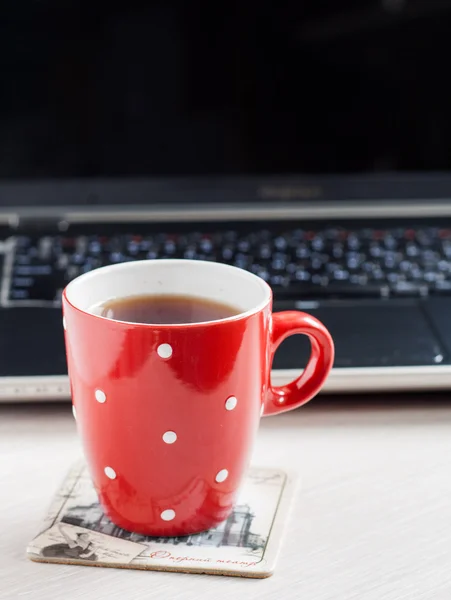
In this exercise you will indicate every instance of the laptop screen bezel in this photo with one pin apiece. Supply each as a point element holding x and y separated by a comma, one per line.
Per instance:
<point>121,193</point>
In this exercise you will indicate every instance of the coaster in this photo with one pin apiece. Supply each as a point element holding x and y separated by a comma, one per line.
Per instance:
<point>76,531</point>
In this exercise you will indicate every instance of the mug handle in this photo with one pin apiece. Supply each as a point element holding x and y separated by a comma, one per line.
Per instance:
<point>308,384</point>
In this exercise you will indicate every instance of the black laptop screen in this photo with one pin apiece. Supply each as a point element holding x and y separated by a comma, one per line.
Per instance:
<point>144,89</point>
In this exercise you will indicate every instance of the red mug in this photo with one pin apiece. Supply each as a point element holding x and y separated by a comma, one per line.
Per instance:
<point>168,413</point>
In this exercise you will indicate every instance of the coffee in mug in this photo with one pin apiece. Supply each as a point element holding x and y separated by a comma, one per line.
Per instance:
<point>164,309</point>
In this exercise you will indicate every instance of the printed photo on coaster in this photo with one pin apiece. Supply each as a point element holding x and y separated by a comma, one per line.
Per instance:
<point>76,531</point>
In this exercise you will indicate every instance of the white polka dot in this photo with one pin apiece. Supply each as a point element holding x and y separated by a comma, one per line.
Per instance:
<point>168,515</point>
<point>64,323</point>
<point>169,437</point>
<point>74,412</point>
<point>110,473</point>
<point>231,402</point>
<point>221,476</point>
<point>164,351</point>
<point>100,396</point>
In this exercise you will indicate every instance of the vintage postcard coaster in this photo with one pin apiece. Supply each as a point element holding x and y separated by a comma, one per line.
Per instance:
<point>246,545</point>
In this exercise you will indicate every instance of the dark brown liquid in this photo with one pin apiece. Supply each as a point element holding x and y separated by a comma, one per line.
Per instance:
<point>165,309</point>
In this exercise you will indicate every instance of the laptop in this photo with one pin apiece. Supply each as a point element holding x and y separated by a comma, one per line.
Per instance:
<point>308,144</point>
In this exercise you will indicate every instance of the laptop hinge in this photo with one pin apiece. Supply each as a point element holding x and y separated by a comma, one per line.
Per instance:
<point>22,224</point>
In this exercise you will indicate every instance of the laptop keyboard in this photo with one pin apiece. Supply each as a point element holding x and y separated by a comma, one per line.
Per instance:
<point>303,264</point>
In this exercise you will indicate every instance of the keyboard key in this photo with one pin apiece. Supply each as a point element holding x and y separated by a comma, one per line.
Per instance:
<point>169,248</point>
<point>95,247</point>
<point>341,275</point>
<point>318,244</point>
<point>297,234</point>
<point>319,280</point>
<point>442,287</point>
<point>302,251</point>
<point>265,251</point>
<point>73,271</point>
<point>78,259</point>
<point>413,250</point>
<point>133,248</point>
<point>390,261</point>
<point>393,277</point>
<point>405,266</point>
<point>23,259</point>
<point>316,264</point>
<point>35,270</point>
<point>145,245</point>
<point>406,288</point>
<point>45,248</point>
<point>280,243</point>
<point>416,273</point>
<point>117,257</point>
<point>332,266</point>
<point>227,253</point>
<point>353,261</point>
<point>278,264</point>
<point>279,280</point>
<point>244,261</point>
<point>431,276</point>
<point>206,245</point>
<point>189,254</point>
<point>332,234</point>
<point>376,251</point>
<point>23,282</point>
<point>353,242</point>
<point>361,280</point>
<point>231,236</point>
<point>19,294</point>
<point>81,244</point>
<point>263,273</point>
<point>377,275</point>
<point>302,275</point>
<point>444,265</point>
<point>379,234</point>
<point>23,242</point>
<point>335,289</point>
<point>390,242</point>
<point>338,250</point>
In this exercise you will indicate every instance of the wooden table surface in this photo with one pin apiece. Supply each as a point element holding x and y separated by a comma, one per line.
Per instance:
<point>372,519</point>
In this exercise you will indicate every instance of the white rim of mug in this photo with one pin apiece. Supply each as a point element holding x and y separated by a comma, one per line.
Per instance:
<point>266,290</point>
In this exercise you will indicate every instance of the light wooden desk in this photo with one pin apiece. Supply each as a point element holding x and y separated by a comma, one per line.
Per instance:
<point>372,520</point>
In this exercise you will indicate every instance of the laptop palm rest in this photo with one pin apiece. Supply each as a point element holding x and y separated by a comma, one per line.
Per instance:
<point>372,333</point>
